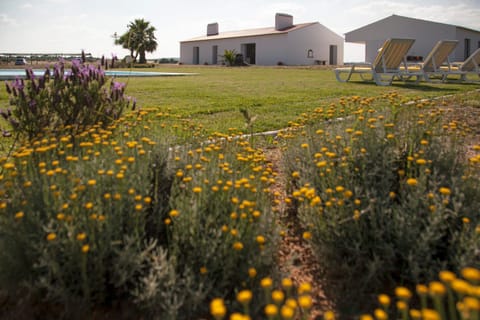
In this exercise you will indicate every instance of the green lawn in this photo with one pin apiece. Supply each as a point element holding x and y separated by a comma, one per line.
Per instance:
<point>276,95</point>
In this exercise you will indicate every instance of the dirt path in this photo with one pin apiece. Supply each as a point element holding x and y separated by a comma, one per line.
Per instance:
<point>296,258</point>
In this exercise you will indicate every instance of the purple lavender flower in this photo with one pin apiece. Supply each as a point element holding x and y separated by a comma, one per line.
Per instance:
<point>118,86</point>
<point>29,74</point>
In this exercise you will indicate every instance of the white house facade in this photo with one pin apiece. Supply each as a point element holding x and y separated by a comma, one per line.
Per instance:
<point>286,44</point>
<point>426,35</point>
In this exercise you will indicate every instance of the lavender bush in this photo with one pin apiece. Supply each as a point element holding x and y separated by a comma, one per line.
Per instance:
<point>59,100</point>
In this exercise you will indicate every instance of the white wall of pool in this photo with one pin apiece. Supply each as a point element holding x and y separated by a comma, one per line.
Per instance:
<point>11,74</point>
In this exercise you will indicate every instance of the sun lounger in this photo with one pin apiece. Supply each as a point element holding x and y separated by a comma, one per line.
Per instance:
<point>436,64</point>
<point>471,65</point>
<point>386,65</point>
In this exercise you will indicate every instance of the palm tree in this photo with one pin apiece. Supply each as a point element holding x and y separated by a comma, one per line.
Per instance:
<point>139,39</point>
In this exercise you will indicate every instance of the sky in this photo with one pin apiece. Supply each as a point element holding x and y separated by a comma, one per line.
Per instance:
<point>69,26</point>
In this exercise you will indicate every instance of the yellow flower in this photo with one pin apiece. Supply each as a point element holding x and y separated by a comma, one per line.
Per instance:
<point>329,315</point>
<point>437,288</point>
<point>92,182</point>
<point>380,314</point>
<point>445,191</point>
<point>403,293</point>
<point>460,286</point>
<point>384,300</point>
<point>271,310</point>
<point>430,314</point>
<point>238,246</point>
<point>252,273</point>
<point>85,248</point>
<point>244,297</point>
<point>412,181</point>
<point>422,289</point>
<point>19,215</point>
<point>217,308</point>
<point>305,287</point>
<point>278,296</point>
<point>415,314</point>
<point>287,283</point>
<point>292,303</point>
<point>197,189</point>
<point>472,303</point>
<point>81,236</point>
<point>239,316</point>
<point>402,305</point>
<point>447,276</point>
<point>295,174</point>
<point>366,317</point>
<point>421,161</point>
<point>9,166</point>
<point>51,236</point>
<point>174,213</point>
<point>305,301</point>
<point>287,312</point>
<point>260,240</point>
<point>88,205</point>
<point>266,283</point>
<point>307,235</point>
<point>471,274</point>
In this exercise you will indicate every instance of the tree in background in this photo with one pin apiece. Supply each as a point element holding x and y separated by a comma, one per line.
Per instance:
<point>139,39</point>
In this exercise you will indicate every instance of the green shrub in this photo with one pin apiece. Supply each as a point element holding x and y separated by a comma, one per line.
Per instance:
<point>385,196</point>
<point>74,215</point>
<point>107,218</point>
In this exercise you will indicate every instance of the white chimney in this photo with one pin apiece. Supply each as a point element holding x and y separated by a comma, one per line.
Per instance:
<point>283,21</point>
<point>212,29</point>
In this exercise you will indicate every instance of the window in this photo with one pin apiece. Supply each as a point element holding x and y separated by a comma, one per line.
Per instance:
<point>310,53</point>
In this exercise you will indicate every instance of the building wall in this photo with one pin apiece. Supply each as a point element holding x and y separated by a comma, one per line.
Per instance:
<point>463,34</point>
<point>425,33</point>
<point>317,38</point>
<point>269,49</point>
<point>287,48</point>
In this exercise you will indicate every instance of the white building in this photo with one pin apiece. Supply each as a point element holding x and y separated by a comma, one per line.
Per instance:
<point>286,43</point>
<point>425,33</point>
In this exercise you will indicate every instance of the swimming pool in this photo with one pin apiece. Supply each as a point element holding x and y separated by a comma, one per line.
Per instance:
<point>11,74</point>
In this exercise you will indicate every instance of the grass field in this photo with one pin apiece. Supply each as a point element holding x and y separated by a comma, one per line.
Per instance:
<point>276,95</point>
